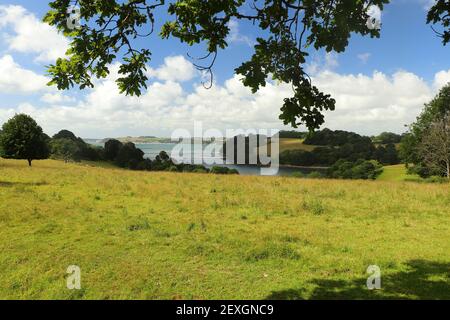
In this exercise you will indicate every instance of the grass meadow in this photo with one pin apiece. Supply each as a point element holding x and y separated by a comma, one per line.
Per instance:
<point>396,173</point>
<point>185,236</point>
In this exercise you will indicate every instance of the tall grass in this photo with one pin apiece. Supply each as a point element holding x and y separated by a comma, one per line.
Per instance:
<point>185,236</point>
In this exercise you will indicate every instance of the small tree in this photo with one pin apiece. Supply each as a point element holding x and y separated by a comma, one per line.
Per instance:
<point>129,156</point>
<point>23,139</point>
<point>112,148</point>
<point>65,149</point>
<point>435,147</point>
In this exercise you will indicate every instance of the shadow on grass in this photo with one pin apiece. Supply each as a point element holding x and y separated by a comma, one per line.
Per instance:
<point>423,280</point>
<point>5,184</point>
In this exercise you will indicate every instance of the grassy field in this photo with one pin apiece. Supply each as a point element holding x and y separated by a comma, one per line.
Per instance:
<point>290,144</point>
<point>183,236</point>
<point>395,173</point>
<point>294,144</point>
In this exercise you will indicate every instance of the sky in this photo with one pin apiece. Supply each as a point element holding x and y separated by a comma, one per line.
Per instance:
<point>379,84</point>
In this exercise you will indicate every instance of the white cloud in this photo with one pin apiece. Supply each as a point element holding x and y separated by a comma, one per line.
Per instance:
<point>25,33</point>
<point>375,12</point>
<point>331,60</point>
<point>175,68</point>
<point>371,104</point>
<point>55,98</point>
<point>441,79</point>
<point>235,36</point>
<point>14,79</point>
<point>319,64</point>
<point>365,104</point>
<point>364,57</point>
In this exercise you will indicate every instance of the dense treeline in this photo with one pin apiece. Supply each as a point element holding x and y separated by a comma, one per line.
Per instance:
<point>66,146</point>
<point>340,145</point>
<point>327,137</point>
<point>426,147</point>
<point>347,155</point>
<point>358,170</point>
<point>251,145</point>
<point>128,156</point>
<point>22,138</point>
<point>388,138</point>
<point>293,135</point>
<point>361,169</point>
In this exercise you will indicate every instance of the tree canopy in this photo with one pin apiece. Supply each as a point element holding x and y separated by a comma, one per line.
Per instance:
<point>434,148</point>
<point>440,14</point>
<point>66,145</point>
<point>288,28</point>
<point>434,111</point>
<point>23,139</point>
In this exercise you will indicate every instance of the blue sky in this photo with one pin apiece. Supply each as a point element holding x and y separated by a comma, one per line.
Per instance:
<point>380,84</point>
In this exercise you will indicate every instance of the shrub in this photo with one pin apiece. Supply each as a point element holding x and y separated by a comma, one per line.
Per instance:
<point>361,169</point>
<point>298,174</point>
<point>129,156</point>
<point>65,149</point>
<point>112,148</point>
<point>223,170</point>
<point>316,175</point>
<point>314,206</point>
<point>65,145</point>
<point>172,169</point>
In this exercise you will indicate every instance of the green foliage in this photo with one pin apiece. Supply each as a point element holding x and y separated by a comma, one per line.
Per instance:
<point>22,138</point>
<point>298,174</point>
<point>65,134</point>
<point>434,149</point>
<point>192,168</point>
<point>289,28</point>
<point>292,135</point>
<point>316,175</point>
<point>362,169</point>
<point>129,156</point>
<point>339,145</point>
<point>112,148</point>
<point>300,158</point>
<point>440,13</point>
<point>163,157</point>
<point>162,162</point>
<point>250,145</point>
<point>67,146</point>
<point>434,111</point>
<point>65,149</point>
<point>387,155</point>
<point>315,206</point>
<point>387,138</point>
<point>327,137</point>
<point>223,170</point>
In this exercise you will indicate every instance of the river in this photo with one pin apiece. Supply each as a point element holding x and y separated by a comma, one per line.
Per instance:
<point>151,150</point>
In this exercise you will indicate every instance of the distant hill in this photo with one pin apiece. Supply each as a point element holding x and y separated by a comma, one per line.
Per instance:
<point>149,139</point>
<point>143,139</point>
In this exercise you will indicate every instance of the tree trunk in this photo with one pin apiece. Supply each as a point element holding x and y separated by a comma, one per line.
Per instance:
<point>29,162</point>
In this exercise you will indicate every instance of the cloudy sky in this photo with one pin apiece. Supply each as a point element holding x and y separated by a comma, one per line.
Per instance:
<point>379,84</point>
